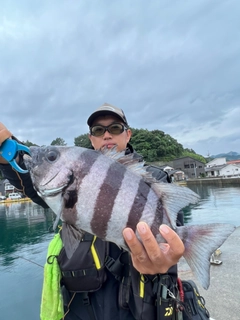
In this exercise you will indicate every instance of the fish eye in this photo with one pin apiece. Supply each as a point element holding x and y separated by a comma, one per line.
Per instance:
<point>52,155</point>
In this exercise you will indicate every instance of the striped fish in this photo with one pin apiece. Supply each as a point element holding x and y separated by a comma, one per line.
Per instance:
<point>102,192</point>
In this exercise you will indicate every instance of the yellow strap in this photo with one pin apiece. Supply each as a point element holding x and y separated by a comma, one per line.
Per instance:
<point>95,255</point>
<point>141,286</point>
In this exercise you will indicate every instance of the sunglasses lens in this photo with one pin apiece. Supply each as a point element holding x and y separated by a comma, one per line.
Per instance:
<point>116,128</point>
<point>97,131</point>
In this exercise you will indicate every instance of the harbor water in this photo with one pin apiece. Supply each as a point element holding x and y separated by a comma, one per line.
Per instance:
<point>24,238</point>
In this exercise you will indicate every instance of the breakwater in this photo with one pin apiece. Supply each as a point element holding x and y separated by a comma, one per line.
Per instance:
<point>214,181</point>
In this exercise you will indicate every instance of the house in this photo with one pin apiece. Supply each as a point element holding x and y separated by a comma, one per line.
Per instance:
<point>176,175</point>
<point>234,162</point>
<point>219,167</point>
<point>216,162</point>
<point>230,170</point>
<point>191,167</point>
<point>8,187</point>
<point>225,170</point>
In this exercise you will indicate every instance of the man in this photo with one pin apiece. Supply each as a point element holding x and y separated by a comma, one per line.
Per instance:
<point>115,295</point>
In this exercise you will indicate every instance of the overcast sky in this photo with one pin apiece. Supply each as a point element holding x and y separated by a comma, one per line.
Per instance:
<point>170,65</point>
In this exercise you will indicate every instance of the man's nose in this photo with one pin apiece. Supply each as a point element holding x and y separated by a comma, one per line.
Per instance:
<point>107,135</point>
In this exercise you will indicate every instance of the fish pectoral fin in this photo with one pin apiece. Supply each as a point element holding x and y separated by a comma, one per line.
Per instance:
<point>200,242</point>
<point>71,238</point>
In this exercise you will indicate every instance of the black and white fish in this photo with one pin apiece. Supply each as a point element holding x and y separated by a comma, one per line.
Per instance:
<point>102,192</point>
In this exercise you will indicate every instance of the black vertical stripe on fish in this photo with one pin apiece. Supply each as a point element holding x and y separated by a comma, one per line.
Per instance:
<point>86,161</point>
<point>106,198</point>
<point>158,219</point>
<point>138,206</point>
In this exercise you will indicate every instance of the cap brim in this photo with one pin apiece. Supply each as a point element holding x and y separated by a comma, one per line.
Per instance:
<point>103,113</point>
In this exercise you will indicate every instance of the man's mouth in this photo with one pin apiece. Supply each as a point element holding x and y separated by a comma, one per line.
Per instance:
<point>109,145</point>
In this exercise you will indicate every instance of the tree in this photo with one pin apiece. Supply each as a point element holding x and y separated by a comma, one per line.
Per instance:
<point>155,145</point>
<point>83,141</point>
<point>58,142</point>
<point>194,155</point>
<point>29,143</point>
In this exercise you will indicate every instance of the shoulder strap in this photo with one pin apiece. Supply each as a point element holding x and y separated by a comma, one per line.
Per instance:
<point>119,267</point>
<point>87,304</point>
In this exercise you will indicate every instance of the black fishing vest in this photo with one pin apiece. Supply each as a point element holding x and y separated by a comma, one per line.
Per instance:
<point>144,296</point>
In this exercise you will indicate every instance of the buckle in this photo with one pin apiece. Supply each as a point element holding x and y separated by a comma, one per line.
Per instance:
<point>109,262</point>
<point>86,301</point>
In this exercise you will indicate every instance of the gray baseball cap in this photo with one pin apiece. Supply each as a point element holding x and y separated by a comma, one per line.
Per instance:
<point>107,109</point>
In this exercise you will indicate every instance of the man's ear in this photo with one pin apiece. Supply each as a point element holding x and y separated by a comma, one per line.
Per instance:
<point>90,138</point>
<point>129,133</point>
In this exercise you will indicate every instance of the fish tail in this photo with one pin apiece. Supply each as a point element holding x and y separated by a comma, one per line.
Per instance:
<point>200,242</point>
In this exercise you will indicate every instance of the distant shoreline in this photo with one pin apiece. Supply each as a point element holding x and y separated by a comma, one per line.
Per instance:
<point>15,200</point>
<point>215,181</point>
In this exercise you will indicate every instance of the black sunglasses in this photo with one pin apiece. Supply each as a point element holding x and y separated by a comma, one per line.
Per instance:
<point>114,128</point>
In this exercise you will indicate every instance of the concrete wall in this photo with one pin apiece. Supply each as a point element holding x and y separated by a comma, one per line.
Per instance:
<point>214,181</point>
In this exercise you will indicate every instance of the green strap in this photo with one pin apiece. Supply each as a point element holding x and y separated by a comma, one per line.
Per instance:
<point>52,302</point>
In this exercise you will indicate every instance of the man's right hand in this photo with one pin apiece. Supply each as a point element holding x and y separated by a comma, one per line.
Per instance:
<point>4,135</point>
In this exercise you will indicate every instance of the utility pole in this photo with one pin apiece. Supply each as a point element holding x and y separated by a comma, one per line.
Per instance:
<point>195,170</point>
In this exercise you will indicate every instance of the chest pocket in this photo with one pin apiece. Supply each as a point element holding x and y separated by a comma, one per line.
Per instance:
<point>85,271</point>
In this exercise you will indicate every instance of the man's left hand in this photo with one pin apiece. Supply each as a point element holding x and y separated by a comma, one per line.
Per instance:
<point>148,256</point>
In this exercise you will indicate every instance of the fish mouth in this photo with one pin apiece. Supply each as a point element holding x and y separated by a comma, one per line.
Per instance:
<point>54,191</point>
<point>51,192</point>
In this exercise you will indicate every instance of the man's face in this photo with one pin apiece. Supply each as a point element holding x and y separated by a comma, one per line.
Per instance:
<point>107,139</point>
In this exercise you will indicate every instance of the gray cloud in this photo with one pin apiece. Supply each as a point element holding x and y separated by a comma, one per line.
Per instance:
<point>172,66</point>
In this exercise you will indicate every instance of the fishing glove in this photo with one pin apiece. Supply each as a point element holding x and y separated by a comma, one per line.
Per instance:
<point>4,133</point>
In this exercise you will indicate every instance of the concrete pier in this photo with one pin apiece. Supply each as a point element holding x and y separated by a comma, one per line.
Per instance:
<point>223,296</point>
<point>214,181</point>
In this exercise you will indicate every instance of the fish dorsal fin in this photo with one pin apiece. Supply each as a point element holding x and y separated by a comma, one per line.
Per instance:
<point>112,153</point>
<point>130,162</point>
<point>174,198</point>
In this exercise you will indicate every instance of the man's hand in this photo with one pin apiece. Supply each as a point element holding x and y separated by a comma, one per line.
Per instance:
<point>149,257</point>
<point>4,134</point>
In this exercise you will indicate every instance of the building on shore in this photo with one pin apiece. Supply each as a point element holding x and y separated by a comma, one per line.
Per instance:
<point>191,167</point>
<point>227,170</point>
<point>219,167</point>
<point>6,187</point>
